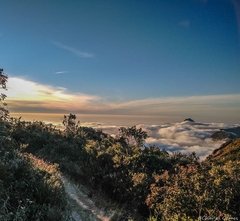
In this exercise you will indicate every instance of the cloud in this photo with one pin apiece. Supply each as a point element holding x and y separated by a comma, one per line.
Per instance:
<point>29,96</point>
<point>25,96</point>
<point>186,137</point>
<point>209,107</point>
<point>184,23</point>
<point>61,72</point>
<point>75,51</point>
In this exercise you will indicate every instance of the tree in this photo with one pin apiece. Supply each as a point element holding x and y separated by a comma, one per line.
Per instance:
<point>3,81</point>
<point>132,135</point>
<point>71,124</point>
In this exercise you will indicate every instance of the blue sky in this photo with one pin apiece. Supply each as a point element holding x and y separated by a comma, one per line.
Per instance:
<point>123,50</point>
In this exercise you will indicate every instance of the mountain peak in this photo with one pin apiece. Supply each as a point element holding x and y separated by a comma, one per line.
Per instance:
<point>189,120</point>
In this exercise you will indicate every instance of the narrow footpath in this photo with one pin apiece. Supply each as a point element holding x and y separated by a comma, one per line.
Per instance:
<point>82,207</point>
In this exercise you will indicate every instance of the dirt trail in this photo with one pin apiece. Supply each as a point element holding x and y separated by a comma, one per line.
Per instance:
<point>83,208</point>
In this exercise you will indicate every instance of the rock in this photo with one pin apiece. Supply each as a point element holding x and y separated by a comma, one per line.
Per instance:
<point>189,120</point>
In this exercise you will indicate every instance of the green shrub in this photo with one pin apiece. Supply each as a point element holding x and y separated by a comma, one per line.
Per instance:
<point>30,189</point>
<point>144,180</point>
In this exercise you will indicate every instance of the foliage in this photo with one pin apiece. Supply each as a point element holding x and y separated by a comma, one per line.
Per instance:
<point>132,135</point>
<point>229,151</point>
<point>148,182</point>
<point>70,124</point>
<point>30,189</point>
<point>3,81</point>
<point>195,191</point>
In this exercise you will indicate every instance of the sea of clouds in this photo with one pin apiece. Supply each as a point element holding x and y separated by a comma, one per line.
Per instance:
<point>184,137</point>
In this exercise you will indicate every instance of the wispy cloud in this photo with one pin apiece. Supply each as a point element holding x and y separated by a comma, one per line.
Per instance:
<point>61,72</point>
<point>184,23</point>
<point>75,51</point>
<point>24,96</point>
<point>29,96</point>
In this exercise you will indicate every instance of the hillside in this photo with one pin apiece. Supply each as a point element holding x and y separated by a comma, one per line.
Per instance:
<point>137,183</point>
<point>30,188</point>
<point>226,133</point>
<point>228,151</point>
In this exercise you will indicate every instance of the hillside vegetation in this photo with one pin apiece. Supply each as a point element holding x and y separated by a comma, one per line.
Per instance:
<point>143,183</point>
<point>146,182</point>
<point>229,151</point>
<point>30,189</point>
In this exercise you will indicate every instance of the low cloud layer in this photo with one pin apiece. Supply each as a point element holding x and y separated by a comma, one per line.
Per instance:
<point>184,137</point>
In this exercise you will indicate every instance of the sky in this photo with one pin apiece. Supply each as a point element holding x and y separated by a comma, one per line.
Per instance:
<point>168,59</point>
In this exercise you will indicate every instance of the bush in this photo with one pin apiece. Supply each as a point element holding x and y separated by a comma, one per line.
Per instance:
<point>30,189</point>
<point>149,182</point>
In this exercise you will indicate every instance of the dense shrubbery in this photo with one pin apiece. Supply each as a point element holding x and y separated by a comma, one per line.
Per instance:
<point>30,189</point>
<point>196,191</point>
<point>148,181</point>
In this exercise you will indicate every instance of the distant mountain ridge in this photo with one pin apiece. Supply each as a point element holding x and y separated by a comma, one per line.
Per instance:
<point>226,133</point>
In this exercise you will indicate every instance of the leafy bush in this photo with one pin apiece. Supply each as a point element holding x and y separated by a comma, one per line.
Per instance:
<point>146,181</point>
<point>30,189</point>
